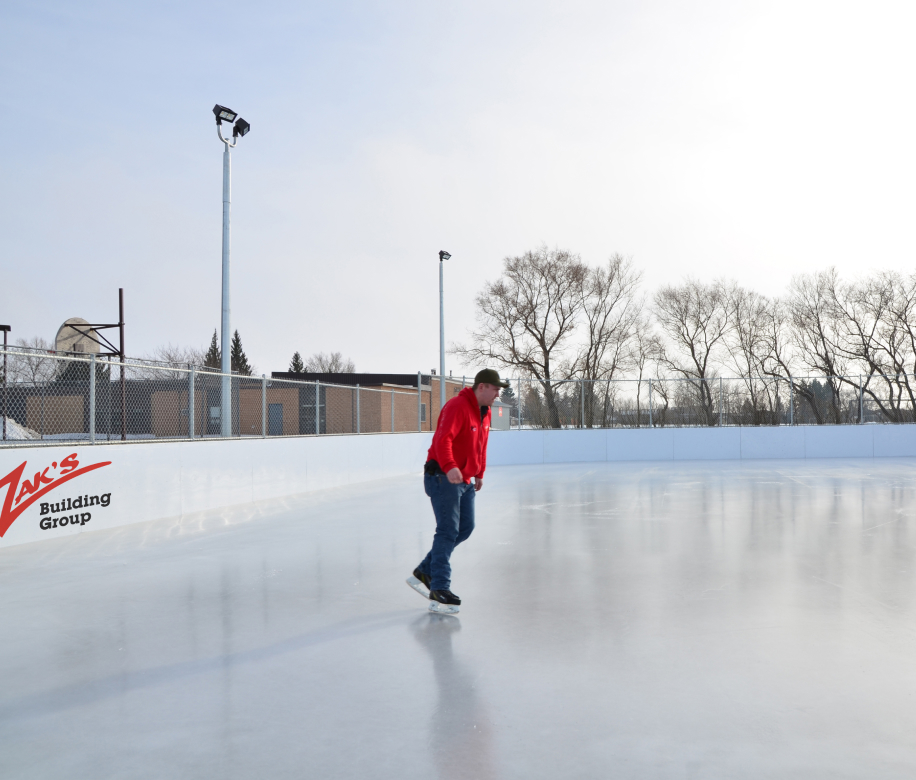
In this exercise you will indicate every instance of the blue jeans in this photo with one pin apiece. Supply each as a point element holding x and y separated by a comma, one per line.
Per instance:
<point>453,506</point>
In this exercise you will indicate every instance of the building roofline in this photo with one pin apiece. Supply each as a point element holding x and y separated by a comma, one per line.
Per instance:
<point>401,380</point>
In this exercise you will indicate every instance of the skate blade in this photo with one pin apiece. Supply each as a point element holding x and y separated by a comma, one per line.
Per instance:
<point>418,586</point>
<point>443,609</point>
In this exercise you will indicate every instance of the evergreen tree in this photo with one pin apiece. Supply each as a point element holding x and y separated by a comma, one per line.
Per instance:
<point>296,366</point>
<point>237,356</point>
<point>507,396</point>
<point>213,358</point>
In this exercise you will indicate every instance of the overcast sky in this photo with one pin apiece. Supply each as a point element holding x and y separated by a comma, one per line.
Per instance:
<point>752,140</point>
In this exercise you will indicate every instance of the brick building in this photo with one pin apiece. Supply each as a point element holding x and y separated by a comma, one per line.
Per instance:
<point>387,402</point>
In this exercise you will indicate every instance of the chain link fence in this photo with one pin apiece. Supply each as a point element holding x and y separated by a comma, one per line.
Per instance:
<point>48,397</point>
<point>720,401</point>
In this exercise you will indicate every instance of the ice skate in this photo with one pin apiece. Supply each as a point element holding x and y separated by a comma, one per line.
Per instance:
<point>443,602</point>
<point>419,582</point>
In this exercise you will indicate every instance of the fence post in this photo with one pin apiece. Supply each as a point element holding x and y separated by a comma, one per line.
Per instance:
<point>392,411</point>
<point>108,402</point>
<point>357,408</point>
<point>419,402</point>
<point>91,398</point>
<point>263,406</point>
<point>861,402</point>
<point>6,410</point>
<point>317,413</point>
<point>651,425</point>
<point>604,420</point>
<point>720,401</point>
<point>518,382</point>
<point>582,403</point>
<point>123,397</point>
<point>791,401</point>
<point>192,407</point>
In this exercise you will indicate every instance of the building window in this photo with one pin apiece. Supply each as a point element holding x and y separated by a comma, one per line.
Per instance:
<point>422,412</point>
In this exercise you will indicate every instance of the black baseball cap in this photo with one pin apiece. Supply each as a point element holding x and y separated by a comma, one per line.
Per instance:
<point>489,377</point>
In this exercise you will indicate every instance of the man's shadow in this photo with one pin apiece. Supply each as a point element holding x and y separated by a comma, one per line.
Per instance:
<point>460,735</point>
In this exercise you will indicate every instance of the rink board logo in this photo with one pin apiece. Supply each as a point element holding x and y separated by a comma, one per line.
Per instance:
<point>22,493</point>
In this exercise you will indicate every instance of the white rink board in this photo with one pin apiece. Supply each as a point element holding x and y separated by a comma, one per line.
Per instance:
<point>153,481</point>
<point>516,448</point>
<point>160,480</point>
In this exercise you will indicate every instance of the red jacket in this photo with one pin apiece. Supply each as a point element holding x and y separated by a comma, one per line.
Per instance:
<point>461,436</point>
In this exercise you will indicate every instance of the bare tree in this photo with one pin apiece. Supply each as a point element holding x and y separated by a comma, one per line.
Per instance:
<point>526,319</point>
<point>900,335</point>
<point>32,365</point>
<point>553,319</point>
<point>178,357</point>
<point>874,338</point>
<point>902,314</point>
<point>611,307</point>
<point>647,354</point>
<point>778,358</point>
<point>815,318</point>
<point>747,343</point>
<point>331,363</point>
<point>695,318</point>
<point>154,364</point>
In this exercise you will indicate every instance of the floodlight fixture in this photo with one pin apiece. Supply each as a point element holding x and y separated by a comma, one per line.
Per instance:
<point>224,114</point>
<point>241,128</point>
<point>5,328</point>
<point>443,255</point>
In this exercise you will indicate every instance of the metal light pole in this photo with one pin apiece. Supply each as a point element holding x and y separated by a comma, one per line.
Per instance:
<point>241,128</point>
<point>226,361</point>
<point>443,255</point>
<point>5,329</point>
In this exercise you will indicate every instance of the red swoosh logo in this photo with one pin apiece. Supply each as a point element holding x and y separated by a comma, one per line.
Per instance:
<point>8,515</point>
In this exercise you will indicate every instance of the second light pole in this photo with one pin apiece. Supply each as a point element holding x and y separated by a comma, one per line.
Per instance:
<point>241,128</point>
<point>443,256</point>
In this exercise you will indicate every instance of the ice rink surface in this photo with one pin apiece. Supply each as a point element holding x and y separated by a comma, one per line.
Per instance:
<point>637,620</point>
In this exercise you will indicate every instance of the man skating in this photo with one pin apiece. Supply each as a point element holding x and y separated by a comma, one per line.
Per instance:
<point>458,454</point>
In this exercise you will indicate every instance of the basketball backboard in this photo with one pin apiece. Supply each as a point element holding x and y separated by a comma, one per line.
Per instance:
<point>77,335</point>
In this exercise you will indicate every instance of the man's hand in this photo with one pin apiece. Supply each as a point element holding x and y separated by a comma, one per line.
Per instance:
<point>454,476</point>
<point>478,483</point>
